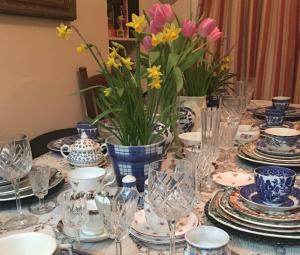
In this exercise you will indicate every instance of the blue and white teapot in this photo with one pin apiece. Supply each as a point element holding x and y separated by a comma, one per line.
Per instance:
<point>84,152</point>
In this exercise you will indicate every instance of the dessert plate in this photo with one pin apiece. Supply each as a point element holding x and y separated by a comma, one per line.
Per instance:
<point>250,196</point>
<point>233,205</point>
<point>286,124</point>
<point>233,179</point>
<point>141,226</point>
<point>263,147</point>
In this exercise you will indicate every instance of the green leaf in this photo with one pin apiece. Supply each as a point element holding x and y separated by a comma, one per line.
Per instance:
<point>172,61</point>
<point>103,114</point>
<point>153,56</point>
<point>86,89</point>
<point>178,77</point>
<point>120,91</point>
<point>192,59</point>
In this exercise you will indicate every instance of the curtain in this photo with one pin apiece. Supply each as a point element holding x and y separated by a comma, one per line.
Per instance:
<point>264,36</point>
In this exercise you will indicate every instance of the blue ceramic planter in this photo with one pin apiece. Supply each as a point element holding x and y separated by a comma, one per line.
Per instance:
<point>133,160</point>
<point>274,183</point>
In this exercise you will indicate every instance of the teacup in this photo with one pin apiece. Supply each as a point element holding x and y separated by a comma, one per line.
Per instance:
<point>90,179</point>
<point>247,133</point>
<point>281,102</point>
<point>30,243</point>
<point>274,117</point>
<point>274,183</point>
<point>90,130</point>
<point>281,139</point>
<point>207,240</point>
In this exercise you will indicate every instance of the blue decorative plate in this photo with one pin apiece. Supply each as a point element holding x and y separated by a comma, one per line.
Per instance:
<point>251,198</point>
<point>286,124</point>
<point>289,110</point>
<point>262,146</point>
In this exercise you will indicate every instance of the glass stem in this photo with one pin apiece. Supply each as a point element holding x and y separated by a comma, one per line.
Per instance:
<point>41,203</point>
<point>118,246</point>
<point>77,238</point>
<point>172,227</point>
<point>15,184</point>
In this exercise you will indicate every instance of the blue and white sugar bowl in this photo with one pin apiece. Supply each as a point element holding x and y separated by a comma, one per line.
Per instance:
<point>274,183</point>
<point>207,240</point>
<point>281,139</point>
<point>274,117</point>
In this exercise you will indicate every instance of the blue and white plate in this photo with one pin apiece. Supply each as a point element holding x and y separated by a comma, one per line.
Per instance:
<point>286,124</point>
<point>262,146</point>
<point>291,109</point>
<point>252,199</point>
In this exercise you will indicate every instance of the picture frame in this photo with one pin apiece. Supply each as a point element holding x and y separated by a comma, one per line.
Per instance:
<point>51,9</point>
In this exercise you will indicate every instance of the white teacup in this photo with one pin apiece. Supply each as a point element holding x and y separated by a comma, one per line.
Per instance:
<point>207,240</point>
<point>30,243</point>
<point>90,179</point>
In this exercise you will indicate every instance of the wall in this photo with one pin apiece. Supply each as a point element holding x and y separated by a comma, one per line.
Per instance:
<point>38,70</point>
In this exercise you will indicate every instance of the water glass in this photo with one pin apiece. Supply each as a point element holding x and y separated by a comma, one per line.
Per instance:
<point>118,213</point>
<point>74,211</point>
<point>15,163</point>
<point>172,192</point>
<point>39,177</point>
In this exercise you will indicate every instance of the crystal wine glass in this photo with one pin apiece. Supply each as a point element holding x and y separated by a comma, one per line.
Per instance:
<point>118,211</point>
<point>172,192</point>
<point>39,177</point>
<point>74,212</point>
<point>15,163</point>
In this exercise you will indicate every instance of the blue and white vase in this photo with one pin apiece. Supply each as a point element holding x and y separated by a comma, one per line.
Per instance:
<point>134,160</point>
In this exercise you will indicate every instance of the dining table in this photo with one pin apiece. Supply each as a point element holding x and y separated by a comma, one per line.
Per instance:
<point>240,244</point>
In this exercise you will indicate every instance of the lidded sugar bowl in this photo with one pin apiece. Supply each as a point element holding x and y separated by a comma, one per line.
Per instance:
<point>84,152</point>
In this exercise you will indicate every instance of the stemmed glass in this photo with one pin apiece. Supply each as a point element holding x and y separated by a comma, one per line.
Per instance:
<point>15,163</point>
<point>118,211</point>
<point>172,192</point>
<point>75,212</point>
<point>39,177</point>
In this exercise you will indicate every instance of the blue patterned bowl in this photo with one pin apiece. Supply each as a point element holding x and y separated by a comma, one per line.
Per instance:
<point>134,160</point>
<point>90,130</point>
<point>274,117</point>
<point>274,183</point>
<point>281,102</point>
<point>281,139</point>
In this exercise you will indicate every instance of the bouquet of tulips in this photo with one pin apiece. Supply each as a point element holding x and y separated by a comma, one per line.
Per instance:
<point>170,47</point>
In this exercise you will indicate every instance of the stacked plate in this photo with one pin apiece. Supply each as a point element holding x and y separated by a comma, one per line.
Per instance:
<point>292,113</point>
<point>141,231</point>
<point>258,153</point>
<point>242,210</point>
<point>7,191</point>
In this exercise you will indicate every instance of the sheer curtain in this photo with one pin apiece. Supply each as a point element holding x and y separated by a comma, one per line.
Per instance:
<point>264,36</point>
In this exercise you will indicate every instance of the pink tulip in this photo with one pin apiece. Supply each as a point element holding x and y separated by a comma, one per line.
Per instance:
<point>206,27</point>
<point>188,28</point>
<point>169,13</point>
<point>153,28</point>
<point>147,43</point>
<point>215,35</point>
<point>160,14</point>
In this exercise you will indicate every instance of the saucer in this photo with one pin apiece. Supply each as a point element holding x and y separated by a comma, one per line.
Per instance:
<point>291,109</point>
<point>140,225</point>
<point>75,252</point>
<point>250,196</point>
<point>233,179</point>
<point>71,233</point>
<point>261,146</point>
<point>286,124</point>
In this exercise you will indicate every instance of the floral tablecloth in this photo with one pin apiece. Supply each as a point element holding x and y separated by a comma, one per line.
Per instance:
<point>48,222</point>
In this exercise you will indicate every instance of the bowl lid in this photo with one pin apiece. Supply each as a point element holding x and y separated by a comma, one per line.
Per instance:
<point>85,144</point>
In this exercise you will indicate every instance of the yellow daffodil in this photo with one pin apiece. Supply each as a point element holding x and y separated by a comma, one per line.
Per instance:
<point>171,33</point>
<point>138,23</point>
<point>155,84</point>
<point>225,64</point>
<point>107,92</point>
<point>112,62</point>
<point>153,72</point>
<point>63,31</point>
<point>158,39</point>
<point>127,62</point>
<point>113,53</point>
<point>81,49</point>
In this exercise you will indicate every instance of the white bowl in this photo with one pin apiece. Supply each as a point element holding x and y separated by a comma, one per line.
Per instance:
<point>27,244</point>
<point>190,138</point>
<point>247,133</point>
